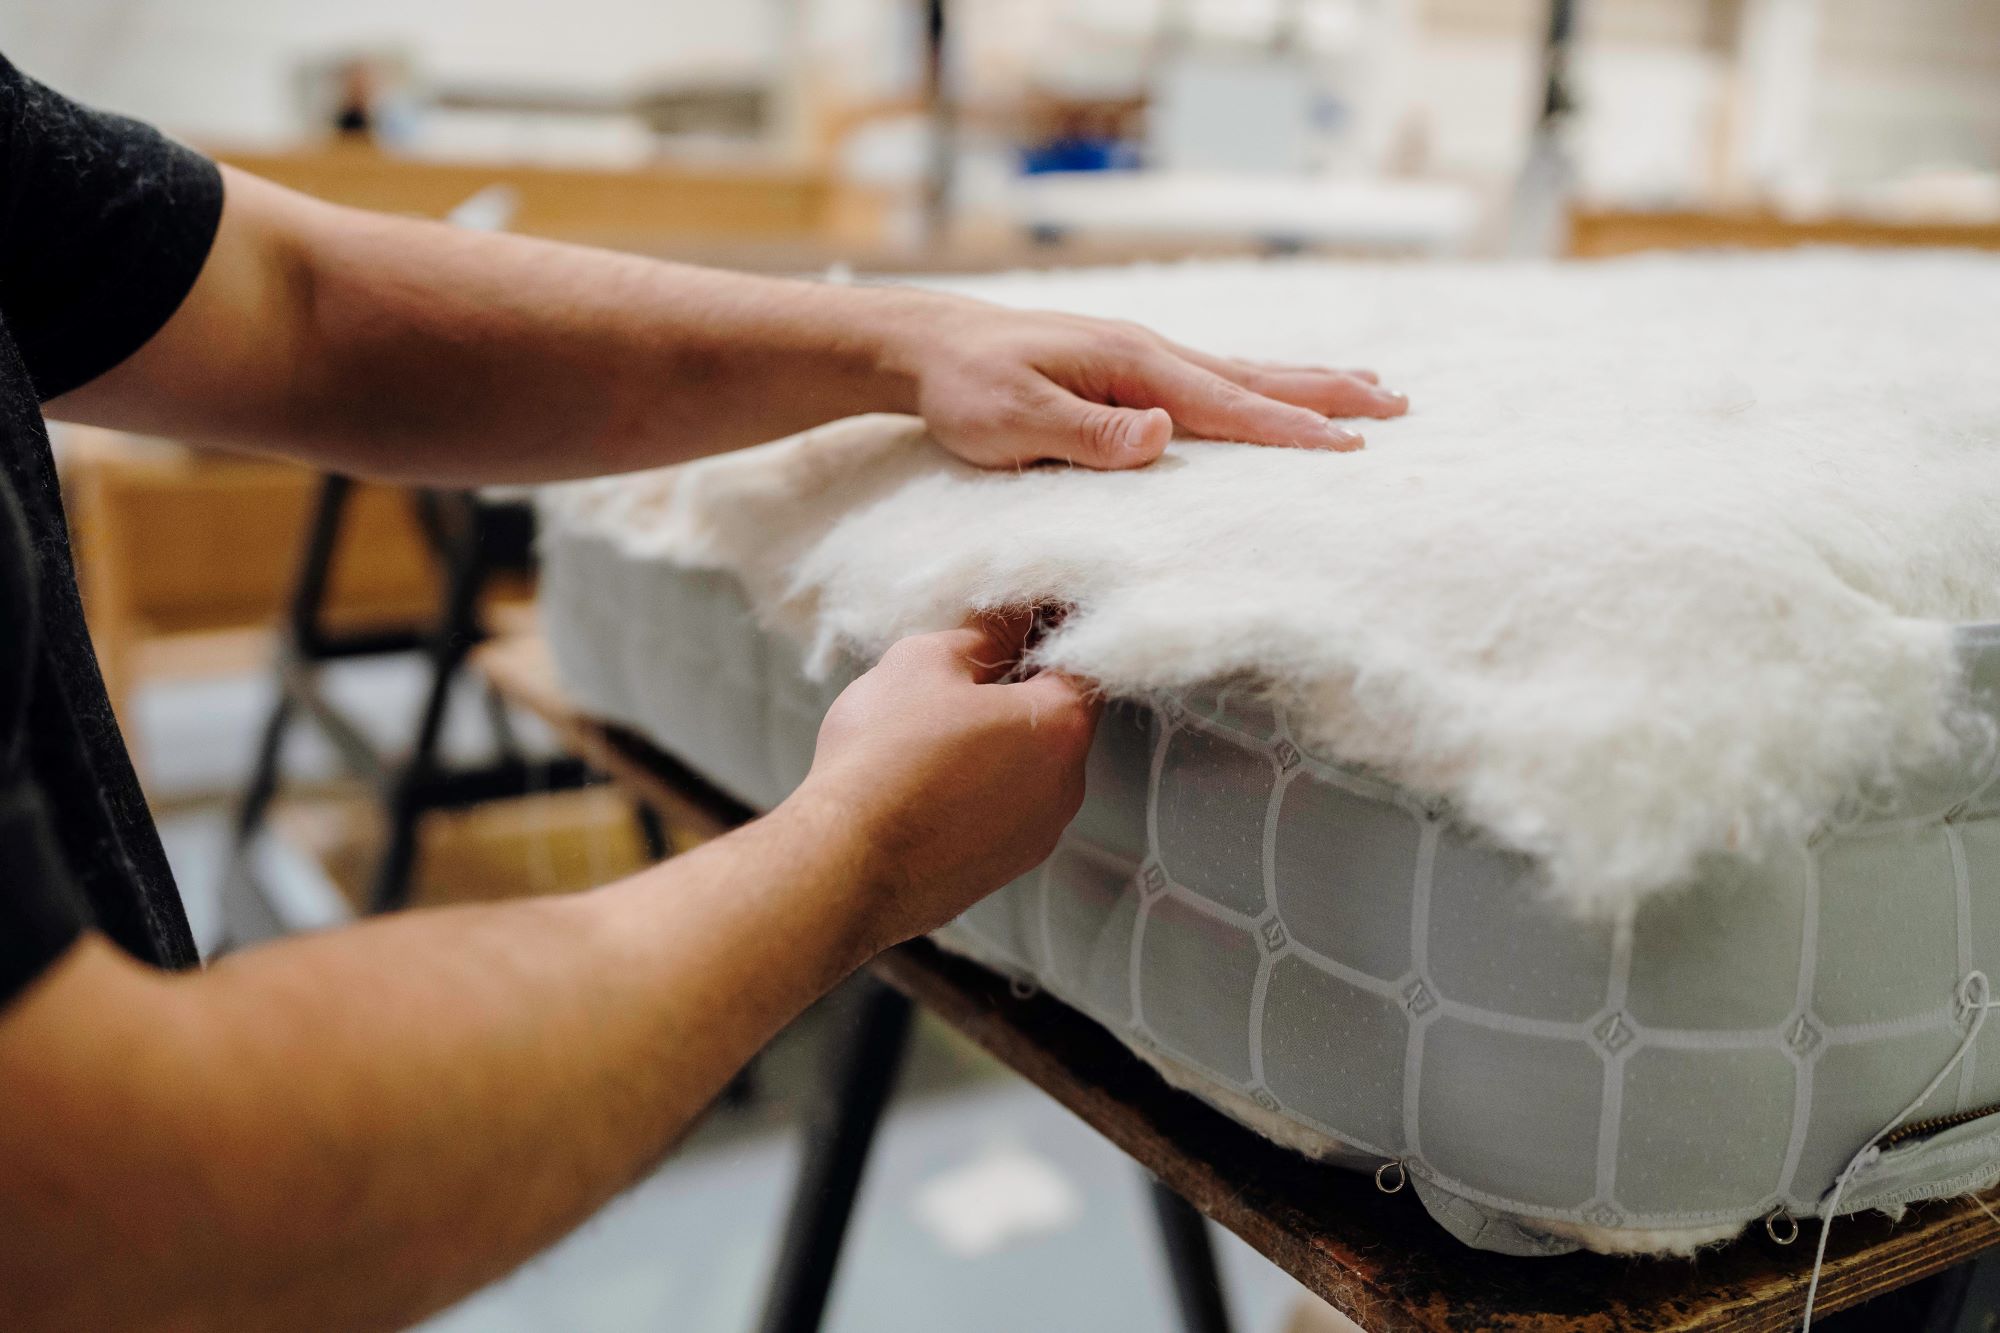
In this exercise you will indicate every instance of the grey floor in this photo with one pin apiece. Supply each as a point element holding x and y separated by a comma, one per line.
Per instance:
<point>1070,1243</point>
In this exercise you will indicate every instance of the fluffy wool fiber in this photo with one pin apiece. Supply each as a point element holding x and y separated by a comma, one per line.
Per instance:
<point>1665,559</point>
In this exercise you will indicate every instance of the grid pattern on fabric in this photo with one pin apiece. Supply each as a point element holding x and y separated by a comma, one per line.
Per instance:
<point>1288,932</point>
<point>1345,956</point>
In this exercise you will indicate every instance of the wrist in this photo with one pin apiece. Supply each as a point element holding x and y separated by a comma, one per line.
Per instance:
<point>853,870</point>
<point>901,328</point>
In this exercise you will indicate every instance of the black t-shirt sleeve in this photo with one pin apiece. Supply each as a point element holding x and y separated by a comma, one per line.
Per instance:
<point>104,226</point>
<point>41,911</point>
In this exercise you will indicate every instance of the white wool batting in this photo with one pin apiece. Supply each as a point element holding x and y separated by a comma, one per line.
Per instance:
<point>1664,561</point>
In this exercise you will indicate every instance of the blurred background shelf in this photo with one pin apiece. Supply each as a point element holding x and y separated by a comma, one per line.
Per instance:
<point>623,208</point>
<point>883,131</point>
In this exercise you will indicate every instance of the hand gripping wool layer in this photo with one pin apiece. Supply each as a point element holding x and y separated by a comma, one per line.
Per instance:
<point>1665,561</point>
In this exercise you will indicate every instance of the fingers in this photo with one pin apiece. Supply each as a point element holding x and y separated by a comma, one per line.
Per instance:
<point>1325,391</point>
<point>983,650</point>
<point>1057,687</point>
<point>1096,435</point>
<point>1059,702</point>
<point>1368,375</point>
<point>989,648</point>
<point>1210,404</point>
<point>1334,393</point>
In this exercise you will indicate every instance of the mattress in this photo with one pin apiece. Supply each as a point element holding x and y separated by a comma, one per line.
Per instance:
<point>1344,967</point>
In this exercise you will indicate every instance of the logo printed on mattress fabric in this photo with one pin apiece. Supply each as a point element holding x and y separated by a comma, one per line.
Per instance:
<point>1614,1033</point>
<point>1802,1036</point>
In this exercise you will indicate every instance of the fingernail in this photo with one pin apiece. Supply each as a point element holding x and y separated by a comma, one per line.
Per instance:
<point>1341,438</point>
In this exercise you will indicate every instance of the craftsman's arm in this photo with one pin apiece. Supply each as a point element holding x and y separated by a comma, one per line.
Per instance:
<point>352,1129</point>
<point>414,351</point>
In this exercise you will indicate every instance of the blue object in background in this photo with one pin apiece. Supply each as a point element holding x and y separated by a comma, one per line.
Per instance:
<point>1079,155</point>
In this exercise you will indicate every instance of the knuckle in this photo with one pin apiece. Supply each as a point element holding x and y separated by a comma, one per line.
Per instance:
<point>1105,433</point>
<point>1129,336</point>
<point>908,652</point>
<point>1019,407</point>
<point>1076,724</point>
<point>1232,396</point>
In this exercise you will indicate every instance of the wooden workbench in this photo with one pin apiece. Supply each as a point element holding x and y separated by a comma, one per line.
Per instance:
<point>1378,1258</point>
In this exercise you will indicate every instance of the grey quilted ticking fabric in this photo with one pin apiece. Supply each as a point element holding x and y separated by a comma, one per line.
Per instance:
<point>1339,952</point>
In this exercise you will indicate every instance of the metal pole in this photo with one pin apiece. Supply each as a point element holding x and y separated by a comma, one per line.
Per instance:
<point>1539,225</point>
<point>1190,1261</point>
<point>1556,100</point>
<point>944,128</point>
<point>839,1131</point>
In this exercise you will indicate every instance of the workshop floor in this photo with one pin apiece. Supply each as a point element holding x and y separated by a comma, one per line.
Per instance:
<point>987,1208</point>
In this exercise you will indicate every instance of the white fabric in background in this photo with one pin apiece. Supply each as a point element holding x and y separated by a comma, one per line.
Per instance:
<point>1665,560</point>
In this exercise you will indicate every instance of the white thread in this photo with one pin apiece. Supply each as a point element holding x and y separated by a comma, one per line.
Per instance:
<point>1972,999</point>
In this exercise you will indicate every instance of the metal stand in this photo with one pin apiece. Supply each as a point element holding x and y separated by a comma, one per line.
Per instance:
<point>1190,1261</point>
<point>471,542</point>
<point>940,168</point>
<point>839,1130</point>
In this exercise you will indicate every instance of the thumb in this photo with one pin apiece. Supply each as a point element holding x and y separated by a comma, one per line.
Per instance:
<point>1097,435</point>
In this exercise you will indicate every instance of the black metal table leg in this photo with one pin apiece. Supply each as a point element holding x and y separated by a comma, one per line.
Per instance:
<point>453,524</point>
<point>1190,1260</point>
<point>246,916</point>
<point>469,540</point>
<point>653,835</point>
<point>839,1130</point>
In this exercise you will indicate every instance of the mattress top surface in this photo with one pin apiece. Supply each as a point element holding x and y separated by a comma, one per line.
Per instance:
<point>1668,558</point>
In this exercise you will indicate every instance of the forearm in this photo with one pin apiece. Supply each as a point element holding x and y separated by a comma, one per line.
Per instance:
<point>444,352</point>
<point>415,351</point>
<point>353,1129</point>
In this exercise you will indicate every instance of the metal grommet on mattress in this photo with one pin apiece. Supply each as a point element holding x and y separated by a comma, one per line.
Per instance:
<point>1388,1184</point>
<point>1022,989</point>
<point>1781,1226</point>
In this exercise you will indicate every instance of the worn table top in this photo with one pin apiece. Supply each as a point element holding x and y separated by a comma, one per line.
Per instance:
<point>1377,1257</point>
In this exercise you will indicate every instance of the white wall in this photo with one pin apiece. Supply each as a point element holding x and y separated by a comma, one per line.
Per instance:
<point>1895,85</point>
<point>221,70</point>
<point>1909,84</point>
<point>1899,83</point>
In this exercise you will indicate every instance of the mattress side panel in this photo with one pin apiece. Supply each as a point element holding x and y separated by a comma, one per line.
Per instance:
<point>1285,934</point>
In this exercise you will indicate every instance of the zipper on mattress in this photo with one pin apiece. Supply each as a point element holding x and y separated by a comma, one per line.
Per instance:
<point>1917,1129</point>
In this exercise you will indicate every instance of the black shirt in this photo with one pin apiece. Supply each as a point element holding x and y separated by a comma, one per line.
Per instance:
<point>104,226</point>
